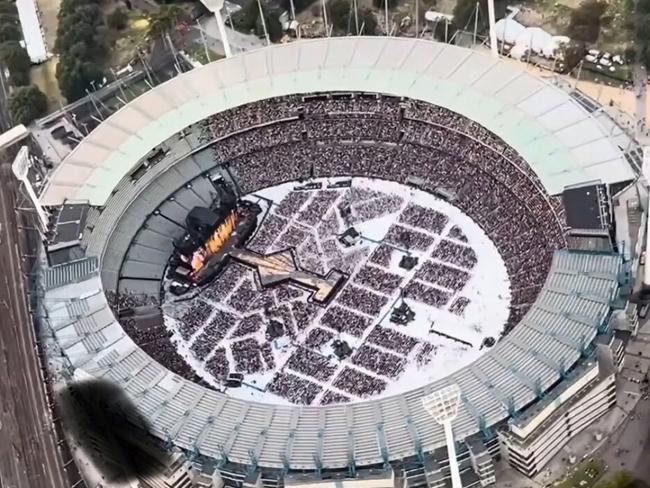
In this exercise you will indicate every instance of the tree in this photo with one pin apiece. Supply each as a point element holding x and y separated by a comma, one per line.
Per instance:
<point>117,19</point>
<point>622,479</point>
<point>585,21</point>
<point>15,58</point>
<point>341,16</point>
<point>9,32</point>
<point>8,8</point>
<point>81,43</point>
<point>248,19</point>
<point>367,22</point>
<point>164,21</point>
<point>273,25</point>
<point>75,76</point>
<point>26,104</point>
<point>380,4</point>
<point>244,20</point>
<point>570,56</point>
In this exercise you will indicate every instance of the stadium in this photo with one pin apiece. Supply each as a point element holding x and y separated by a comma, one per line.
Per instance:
<point>282,254</point>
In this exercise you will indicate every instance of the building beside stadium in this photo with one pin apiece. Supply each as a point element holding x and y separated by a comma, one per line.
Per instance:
<point>444,137</point>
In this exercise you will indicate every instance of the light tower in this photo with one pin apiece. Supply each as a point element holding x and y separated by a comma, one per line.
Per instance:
<point>215,7</point>
<point>493,32</point>
<point>20,168</point>
<point>442,405</point>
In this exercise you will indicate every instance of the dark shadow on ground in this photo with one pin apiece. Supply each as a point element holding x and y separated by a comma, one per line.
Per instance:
<point>109,428</point>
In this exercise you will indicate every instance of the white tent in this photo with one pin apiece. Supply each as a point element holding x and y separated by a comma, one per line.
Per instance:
<point>556,43</point>
<point>508,30</point>
<point>534,39</point>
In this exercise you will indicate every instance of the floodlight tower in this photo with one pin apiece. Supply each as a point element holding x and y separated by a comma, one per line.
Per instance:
<point>215,7</point>
<point>20,167</point>
<point>493,31</point>
<point>442,405</point>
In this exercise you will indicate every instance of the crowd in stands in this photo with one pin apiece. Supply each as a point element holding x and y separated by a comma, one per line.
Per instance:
<point>294,138</point>
<point>154,340</point>
<point>492,183</point>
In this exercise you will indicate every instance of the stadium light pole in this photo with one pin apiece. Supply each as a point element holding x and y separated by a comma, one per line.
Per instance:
<point>20,168</point>
<point>493,31</point>
<point>442,405</point>
<point>215,7</point>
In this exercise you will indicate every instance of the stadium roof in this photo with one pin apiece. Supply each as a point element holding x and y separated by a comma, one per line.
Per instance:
<point>562,142</point>
<point>553,336</point>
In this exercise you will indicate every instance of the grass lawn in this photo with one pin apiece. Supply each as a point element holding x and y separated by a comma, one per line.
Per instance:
<point>586,475</point>
<point>198,53</point>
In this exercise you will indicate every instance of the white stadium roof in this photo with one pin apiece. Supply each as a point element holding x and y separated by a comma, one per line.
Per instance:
<point>562,142</point>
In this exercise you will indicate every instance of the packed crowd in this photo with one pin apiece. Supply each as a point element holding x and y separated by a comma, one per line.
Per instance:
<point>358,383</point>
<point>392,340</point>
<point>360,299</point>
<point>434,297</point>
<point>442,275</point>
<point>155,339</point>
<point>294,388</point>
<point>125,300</point>
<point>458,254</point>
<point>311,363</point>
<point>379,362</point>
<point>424,218</point>
<point>293,138</point>
<point>377,279</point>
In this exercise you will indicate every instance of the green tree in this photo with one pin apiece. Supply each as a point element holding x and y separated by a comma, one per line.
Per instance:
<point>164,21</point>
<point>81,43</point>
<point>367,22</point>
<point>341,16</point>
<point>118,19</point>
<point>622,479</point>
<point>380,4</point>
<point>244,20</point>
<point>585,21</point>
<point>9,32</point>
<point>570,56</point>
<point>26,104</point>
<point>75,75</point>
<point>8,8</point>
<point>248,19</point>
<point>273,26</point>
<point>15,58</point>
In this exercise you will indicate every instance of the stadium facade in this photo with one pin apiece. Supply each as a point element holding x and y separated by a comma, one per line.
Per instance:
<point>541,384</point>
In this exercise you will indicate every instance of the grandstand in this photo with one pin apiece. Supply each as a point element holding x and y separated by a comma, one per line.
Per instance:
<point>355,118</point>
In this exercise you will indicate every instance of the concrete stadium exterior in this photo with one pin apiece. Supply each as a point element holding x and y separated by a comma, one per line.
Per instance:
<point>564,142</point>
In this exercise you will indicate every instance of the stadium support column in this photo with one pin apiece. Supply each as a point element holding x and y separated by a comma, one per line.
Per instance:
<point>451,451</point>
<point>215,7</point>
<point>493,33</point>
<point>442,405</point>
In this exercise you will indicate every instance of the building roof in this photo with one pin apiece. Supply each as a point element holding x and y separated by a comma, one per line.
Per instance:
<point>559,138</point>
<point>584,207</point>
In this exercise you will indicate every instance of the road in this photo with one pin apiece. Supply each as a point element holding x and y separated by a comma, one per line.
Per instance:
<point>29,456</point>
